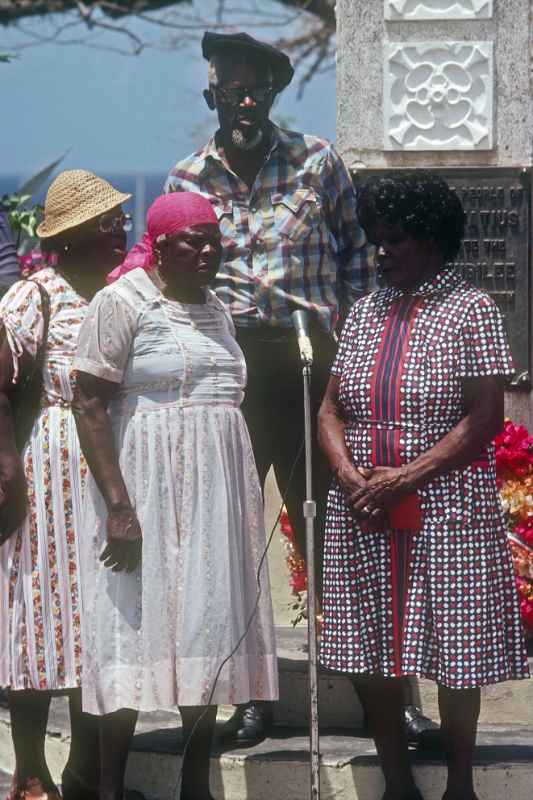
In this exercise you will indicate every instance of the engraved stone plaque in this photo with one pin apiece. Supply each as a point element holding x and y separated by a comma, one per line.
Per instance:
<point>438,95</point>
<point>495,254</point>
<point>411,10</point>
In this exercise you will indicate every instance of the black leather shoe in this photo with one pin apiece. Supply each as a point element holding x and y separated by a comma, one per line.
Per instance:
<point>421,731</point>
<point>416,796</point>
<point>248,725</point>
<point>73,787</point>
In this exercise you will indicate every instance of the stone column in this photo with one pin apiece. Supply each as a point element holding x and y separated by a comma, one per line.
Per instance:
<point>448,84</point>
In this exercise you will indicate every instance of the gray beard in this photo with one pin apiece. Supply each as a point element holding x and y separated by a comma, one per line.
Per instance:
<point>239,140</point>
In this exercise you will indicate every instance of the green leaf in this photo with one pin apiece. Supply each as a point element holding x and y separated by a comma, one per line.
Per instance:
<point>27,228</point>
<point>13,221</point>
<point>8,203</point>
<point>22,219</point>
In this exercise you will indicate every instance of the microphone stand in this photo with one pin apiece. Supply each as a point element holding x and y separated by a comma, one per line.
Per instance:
<point>309,513</point>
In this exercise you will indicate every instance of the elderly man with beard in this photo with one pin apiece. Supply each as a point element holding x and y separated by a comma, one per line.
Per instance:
<point>287,212</point>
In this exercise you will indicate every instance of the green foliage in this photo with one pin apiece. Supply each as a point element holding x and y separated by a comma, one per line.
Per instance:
<point>4,58</point>
<point>299,606</point>
<point>23,218</point>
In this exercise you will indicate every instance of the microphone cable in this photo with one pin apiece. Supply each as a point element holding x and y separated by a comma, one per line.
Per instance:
<point>250,619</point>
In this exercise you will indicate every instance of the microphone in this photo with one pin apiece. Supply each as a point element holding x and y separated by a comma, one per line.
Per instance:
<point>300,322</point>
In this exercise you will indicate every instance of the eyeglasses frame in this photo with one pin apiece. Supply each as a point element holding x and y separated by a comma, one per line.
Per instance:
<point>124,222</point>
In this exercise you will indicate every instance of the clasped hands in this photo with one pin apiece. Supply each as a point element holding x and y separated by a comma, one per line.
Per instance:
<point>371,492</point>
<point>124,540</point>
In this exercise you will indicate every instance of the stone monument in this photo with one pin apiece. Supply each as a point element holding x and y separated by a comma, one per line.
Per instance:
<point>447,85</point>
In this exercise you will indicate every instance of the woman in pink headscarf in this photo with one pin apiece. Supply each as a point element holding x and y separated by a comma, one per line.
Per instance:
<point>174,518</point>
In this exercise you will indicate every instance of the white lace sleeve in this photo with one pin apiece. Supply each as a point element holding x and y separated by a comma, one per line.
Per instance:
<point>105,336</point>
<point>21,314</point>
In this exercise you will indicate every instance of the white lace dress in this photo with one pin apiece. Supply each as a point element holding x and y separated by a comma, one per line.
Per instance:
<point>156,638</point>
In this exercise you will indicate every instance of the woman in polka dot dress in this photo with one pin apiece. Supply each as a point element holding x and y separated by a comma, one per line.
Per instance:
<point>418,577</point>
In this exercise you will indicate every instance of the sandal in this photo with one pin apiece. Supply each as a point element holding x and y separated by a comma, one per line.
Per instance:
<point>33,790</point>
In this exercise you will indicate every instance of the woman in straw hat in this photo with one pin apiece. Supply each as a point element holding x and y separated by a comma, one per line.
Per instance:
<point>41,490</point>
<point>176,622</point>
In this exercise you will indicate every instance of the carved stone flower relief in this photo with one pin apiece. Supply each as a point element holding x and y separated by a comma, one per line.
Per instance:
<point>438,96</point>
<point>438,9</point>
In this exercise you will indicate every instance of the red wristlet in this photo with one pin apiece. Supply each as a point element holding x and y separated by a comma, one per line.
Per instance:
<point>407,514</point>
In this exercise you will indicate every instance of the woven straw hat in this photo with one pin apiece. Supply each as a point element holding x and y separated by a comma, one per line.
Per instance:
<point>74,197</point>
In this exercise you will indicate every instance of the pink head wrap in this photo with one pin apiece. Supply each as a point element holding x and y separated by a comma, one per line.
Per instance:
<point>167,214</point>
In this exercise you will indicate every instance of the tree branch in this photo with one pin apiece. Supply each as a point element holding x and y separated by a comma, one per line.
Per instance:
<point>312,49</point>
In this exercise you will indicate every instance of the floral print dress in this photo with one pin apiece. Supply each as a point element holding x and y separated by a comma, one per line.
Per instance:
<point>39,564</point>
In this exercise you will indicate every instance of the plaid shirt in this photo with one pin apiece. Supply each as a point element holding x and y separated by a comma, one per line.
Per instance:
<point>9,263</point>
<point>292,241</point>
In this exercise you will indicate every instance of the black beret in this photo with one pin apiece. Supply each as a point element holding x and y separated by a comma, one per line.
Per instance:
<point>281,66</point>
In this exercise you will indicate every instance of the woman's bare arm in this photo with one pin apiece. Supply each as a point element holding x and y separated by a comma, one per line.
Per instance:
<point>483,420</point>
<point>331,427</point>
<point>124,537</point>
<point>13,495</point>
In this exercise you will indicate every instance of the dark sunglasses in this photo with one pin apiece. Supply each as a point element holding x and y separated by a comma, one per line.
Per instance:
<point>233,96</point>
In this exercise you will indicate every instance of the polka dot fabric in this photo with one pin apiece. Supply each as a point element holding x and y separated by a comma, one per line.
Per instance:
<point>459,621</point>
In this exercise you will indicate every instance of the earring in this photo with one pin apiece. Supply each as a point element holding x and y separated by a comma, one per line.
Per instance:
<point>65,248</point>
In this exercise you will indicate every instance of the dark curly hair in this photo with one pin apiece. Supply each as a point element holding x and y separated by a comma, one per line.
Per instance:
<point>420,202</point>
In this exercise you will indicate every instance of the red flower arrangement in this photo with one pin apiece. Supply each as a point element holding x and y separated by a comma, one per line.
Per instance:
<point>514,451</point>
<point>514,472</point>
<point>34,261</point>
<point>297,570</point>
<point>525,591</point>
<point>295,562</point>
<point>524,530</point>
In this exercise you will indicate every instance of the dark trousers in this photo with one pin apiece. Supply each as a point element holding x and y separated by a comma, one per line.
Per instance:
<point>273,409</point>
